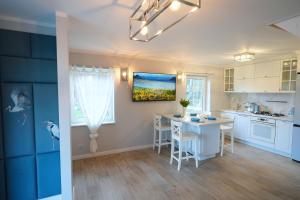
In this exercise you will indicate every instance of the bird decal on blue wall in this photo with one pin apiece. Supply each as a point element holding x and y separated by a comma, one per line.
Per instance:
<point>21,102</point>
<point>53,129</point>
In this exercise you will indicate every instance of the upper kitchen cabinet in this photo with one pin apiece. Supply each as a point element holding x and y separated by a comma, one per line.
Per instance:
<point>289,75</point>
<point>229,80</point>
<point>267,69</point>
<point>244,72</point>
<point>14,43</point>
<point>43,46</point>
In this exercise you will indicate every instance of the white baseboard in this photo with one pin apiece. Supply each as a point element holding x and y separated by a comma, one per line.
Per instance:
<point>113,151</point>
<point>57,197</point>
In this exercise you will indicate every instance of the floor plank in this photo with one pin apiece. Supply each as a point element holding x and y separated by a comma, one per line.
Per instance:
<point>249,174</point>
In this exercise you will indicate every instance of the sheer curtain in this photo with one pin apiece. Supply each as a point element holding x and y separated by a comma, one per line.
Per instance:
<point>94,87</point>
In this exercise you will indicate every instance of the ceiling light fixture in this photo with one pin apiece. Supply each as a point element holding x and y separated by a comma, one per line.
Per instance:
<point>244,57</point>
<point>151,18</point>
<point>175,5</point>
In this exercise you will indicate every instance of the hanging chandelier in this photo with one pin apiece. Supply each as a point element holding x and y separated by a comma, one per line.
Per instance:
<point>153,17</point>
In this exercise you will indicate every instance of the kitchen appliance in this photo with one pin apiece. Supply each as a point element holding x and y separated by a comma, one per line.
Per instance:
<point>263,129</point>
<point>296,128</point>
<point>252,107</point>
<point>266,113</point>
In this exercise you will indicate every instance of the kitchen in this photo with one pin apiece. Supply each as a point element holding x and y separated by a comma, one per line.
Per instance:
<point>263,105</point>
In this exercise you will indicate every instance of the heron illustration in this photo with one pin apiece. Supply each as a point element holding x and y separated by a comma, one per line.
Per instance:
<point>53,129</point>
<point>21,103</point>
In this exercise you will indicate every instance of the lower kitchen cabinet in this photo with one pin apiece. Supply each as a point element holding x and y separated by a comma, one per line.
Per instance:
<point>243,131</point>
<point>241,127</point>
<point>283,138</point>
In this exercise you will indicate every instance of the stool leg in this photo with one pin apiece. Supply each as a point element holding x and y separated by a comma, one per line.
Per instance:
<point>159,141</point>
<point>179,156</point>
<point>154,138</point>
<point>186,153</point>
<point>222,142</point>
<point>172,150</point>
<point>196,152</point>
<point>232,142</point>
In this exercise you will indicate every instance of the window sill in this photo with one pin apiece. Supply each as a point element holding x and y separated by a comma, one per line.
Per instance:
<point>84,124</point>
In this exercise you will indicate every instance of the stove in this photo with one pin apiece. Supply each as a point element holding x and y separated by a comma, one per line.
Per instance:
<point>266,113</point>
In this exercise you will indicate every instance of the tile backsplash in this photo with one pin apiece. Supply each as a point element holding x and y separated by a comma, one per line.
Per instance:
<point>262,100</point>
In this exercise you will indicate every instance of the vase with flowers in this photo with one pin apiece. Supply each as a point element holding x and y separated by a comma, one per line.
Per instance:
<point>184,103</point>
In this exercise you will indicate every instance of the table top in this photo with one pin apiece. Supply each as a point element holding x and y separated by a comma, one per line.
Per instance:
<point>204,122</point>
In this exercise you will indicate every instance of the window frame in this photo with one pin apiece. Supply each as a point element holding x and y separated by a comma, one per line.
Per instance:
<point>80,123</point>
<point>206,87</point>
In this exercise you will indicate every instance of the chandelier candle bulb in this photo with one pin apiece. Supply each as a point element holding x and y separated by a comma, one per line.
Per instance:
<point>175,5</point>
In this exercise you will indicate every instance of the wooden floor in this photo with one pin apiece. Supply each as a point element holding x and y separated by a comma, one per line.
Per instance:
<point>248,174</point>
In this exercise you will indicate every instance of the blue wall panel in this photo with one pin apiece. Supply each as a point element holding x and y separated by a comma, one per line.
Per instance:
<point>2,181</point>
<point>1,136</point>
<point>46,113</point>
<point>21,178</point>
<point>48,174</point>
<point>28,70</point>
<point>17,123</point>
<point>43,46</point>
<point>13,43</point>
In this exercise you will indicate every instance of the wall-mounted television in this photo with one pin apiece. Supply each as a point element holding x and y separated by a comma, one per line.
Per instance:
<point>153,87</point>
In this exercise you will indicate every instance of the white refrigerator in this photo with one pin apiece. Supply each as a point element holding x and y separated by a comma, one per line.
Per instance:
<point>296,128</point>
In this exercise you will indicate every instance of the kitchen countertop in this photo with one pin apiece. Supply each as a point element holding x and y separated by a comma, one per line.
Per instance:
<point>284,118</point>
<point>206,122</point>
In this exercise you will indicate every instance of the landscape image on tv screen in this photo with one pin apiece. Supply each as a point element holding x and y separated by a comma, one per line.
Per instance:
<point>153,87</point>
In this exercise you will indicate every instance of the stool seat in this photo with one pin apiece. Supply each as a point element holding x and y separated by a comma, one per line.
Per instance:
<point>186,136</point>
<point>224,127</point>
<point>165,127</point>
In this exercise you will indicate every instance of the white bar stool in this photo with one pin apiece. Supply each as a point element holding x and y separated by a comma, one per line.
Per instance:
<point>181,138</point>
<point>227,128</point>
<point>162,130</point>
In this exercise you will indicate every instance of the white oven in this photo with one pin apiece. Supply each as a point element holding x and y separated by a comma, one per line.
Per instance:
<point>263,129</point>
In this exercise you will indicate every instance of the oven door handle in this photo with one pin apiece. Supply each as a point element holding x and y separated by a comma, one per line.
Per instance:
<point>262,122</point>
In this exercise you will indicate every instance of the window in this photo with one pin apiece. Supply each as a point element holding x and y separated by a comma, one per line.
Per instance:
<point>197,91</point>
<point>77,116</point>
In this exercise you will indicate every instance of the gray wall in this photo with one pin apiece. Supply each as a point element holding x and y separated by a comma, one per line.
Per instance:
<point>133,125</point>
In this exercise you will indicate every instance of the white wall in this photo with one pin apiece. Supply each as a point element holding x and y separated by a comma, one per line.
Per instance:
<point>133,125</point>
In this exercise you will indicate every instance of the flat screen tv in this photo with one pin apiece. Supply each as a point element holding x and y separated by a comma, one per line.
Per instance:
<point>153,87</point>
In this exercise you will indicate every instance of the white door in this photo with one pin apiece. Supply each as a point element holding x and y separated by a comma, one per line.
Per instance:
<point>244,72</point>
<point>241,127</point>
<point>283,136</point>
<point>267,69</point>
<point>244,85</point>
<point>271,84</point>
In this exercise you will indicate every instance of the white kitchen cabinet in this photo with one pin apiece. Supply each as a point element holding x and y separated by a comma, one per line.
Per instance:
<point>242,127</point>
<point>229,79</point>
<point>244,85</point>
<point>288,75</point>
<point>267,69</point>
<point>283,138</point>
<point>270,84</point>
<point>244,72</point>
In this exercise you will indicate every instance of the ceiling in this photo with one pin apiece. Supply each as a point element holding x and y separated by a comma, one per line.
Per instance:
<point>210,36</point>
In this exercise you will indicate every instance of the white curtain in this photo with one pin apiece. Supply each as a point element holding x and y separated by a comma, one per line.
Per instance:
<point>94,88</point>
